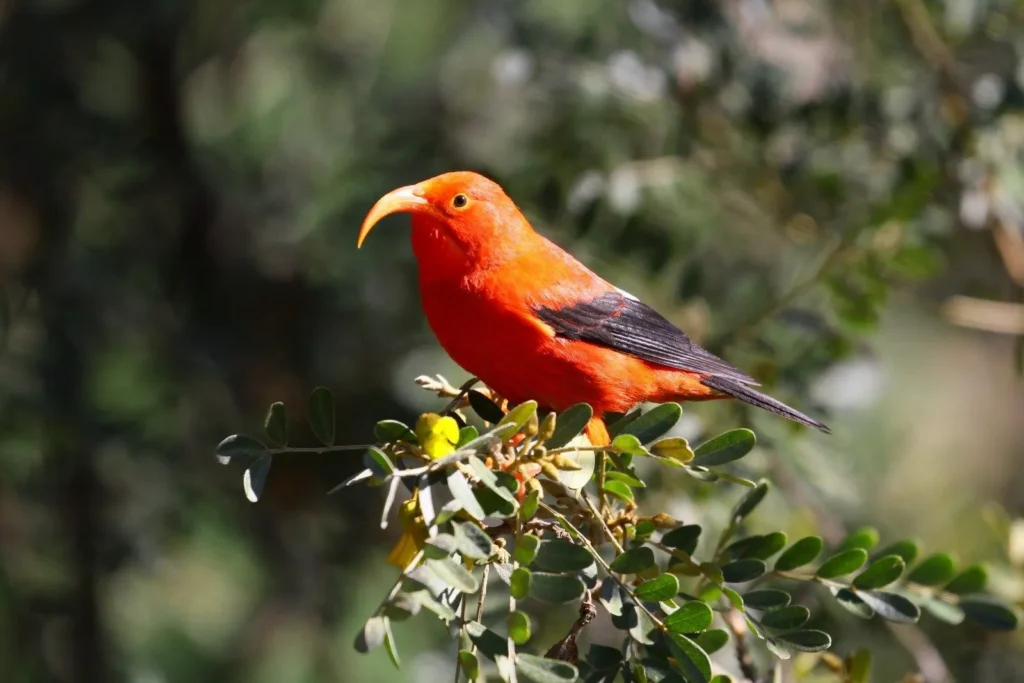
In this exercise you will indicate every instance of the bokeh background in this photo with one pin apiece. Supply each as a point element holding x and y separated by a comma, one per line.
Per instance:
<point>830,194</point>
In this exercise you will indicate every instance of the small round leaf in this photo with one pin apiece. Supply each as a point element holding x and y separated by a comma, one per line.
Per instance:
<point>633,560</point>
<point>843,563</point>
<point>767,598</point>
<point>880,573</point>
<point>555,589</point>
<point>569,425</point>
<point>320,412</point>
<point>786,618</point>
<point>970,580</point>
<point>664,587</point>
<point>725,448</point>
<point>692,617</point>
<point>934,570</point>
<point>804,551</point>
<point>683,538</point>
<point>989,613</point>
<point>275,425</point>
<point>742,571</point>
<point>559,555</point>
<point>655,422</point>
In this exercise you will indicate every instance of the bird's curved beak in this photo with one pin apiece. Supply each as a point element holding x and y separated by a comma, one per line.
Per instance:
<point>408,199</point>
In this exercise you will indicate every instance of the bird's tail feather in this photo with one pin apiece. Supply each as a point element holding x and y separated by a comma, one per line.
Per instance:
<point>756,398</point>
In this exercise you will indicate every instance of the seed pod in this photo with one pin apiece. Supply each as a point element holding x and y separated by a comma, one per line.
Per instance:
<point>534,485</point>
<point>549,469</point>
<point>547,427</point>
<point>564,462</point>
<point>532,426</point>
<point>663,521</point>
<point>538,453</point>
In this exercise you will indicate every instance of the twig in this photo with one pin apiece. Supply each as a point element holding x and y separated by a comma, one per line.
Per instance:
<point>982,314</point>
<point>734,620</point>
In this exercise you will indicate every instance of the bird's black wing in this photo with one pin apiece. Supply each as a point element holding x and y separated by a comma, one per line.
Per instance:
<point>621,322</point>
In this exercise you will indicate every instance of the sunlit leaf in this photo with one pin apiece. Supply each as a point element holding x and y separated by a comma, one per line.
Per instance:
<point>391,645</point>
<point>519,415</point>
<point>255,477</point>
<point>454,574</point>
<point>674,448</point>
<point>664,587</point>
<point>880,573</point>
<point>463,493</point>
<point>934,570</point>
<point>470,664</point>
<point>389,431</point>
<point>239,447</point>
<point>843,563</point>
<point>690,660</point>
<point>518,627</point>
<point>472,541</point>
<point>490,643</point>
<point>526,549</point>
<point>865,538</point>
<point>851,602</point>
<point>804,551</point>
<point>372,635</point>
<point>906,549</point>
<point>970,580</point>
<point>692,617</point>
<point>750,500</point>
<point>620,490</point>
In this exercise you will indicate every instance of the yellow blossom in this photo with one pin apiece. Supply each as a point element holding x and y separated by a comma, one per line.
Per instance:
<point>437,435</point>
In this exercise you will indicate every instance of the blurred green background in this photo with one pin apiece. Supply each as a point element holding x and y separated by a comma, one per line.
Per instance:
<point>830,194</point>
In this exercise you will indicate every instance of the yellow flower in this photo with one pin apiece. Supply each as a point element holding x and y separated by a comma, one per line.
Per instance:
<point>414,533</point>
<point>437,435</point>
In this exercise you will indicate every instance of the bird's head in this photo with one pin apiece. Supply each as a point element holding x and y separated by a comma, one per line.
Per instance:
<point>460,220</point>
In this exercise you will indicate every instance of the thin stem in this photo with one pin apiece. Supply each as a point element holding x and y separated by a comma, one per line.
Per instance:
<point>604,525</point>
<point>320,449</point>
<point>734,620</point>
<point>574,449</point>
<point>463,391</point>
<point>582,539</point>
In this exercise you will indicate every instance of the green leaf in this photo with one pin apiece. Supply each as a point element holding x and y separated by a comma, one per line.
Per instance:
<point>389,431</point>
<point>750,500</point>
<point>725,448</point>
<point>527,547</point>
<point>555,589</point>
<point>625,478</point>
<point>777,648</point>
<point>906,549</point>
<point>643,530</point>
<point>472,541</point>
<point>255,477</point>
<point>604,658</point>
<point>690,660</point>
<point>627,443</point>
<point>618,426</point>
<point>320,413</point>
<point>463,493</point>
<point>734,598</point>
<point>891,606</point>
<point>843,563</point>
<point>466,434</point>
<point>391,645</point>
<point>275,425</point>
<point>659,589</point>
<point>714,640</point>
<point>767,598</point>
<point>470,664</point>
<point>633,560</point>
<point>865,538</point>
<point>692,617</point>
<point>934,570</point>
<point>520,415</point>
<point>534,669</point>
<point>440,546</point>
<point>610,596</point>
<point>378,462</point>
<point>786,618</point>
<point>519,583</point>
<point>489,642</point>
<point>942,610</point>
<point>453,574</point>
<point>804,551</point>
<point>518,627</point>
<point>655,422</point>
<point>880,573</point>
<point>490,480</point>
<point>852,602</point>
<point>683,538</point>
<point>427,600</point>
<point>569,425</point>
<point>808,640</point>
<point>859,666</point>
<point>372,634</point>
<point>759,547</point>
<point>619,490</point>
<point>742,571</point>
<point>989,613</point>
<point>721,678</point>
<point>487,409</point>
<point>239,447</point>
<point>674,448</point>
<point>970,580</point>
<point>558,555</point>
<point>528,508</point>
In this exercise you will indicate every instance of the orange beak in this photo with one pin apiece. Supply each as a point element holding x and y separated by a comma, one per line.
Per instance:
<point>408,199</point>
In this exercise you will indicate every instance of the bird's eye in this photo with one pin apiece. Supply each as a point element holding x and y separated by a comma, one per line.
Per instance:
<point>459,201</point>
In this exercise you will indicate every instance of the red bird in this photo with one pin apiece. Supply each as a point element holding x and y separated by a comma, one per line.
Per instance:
<point>532,322</point>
